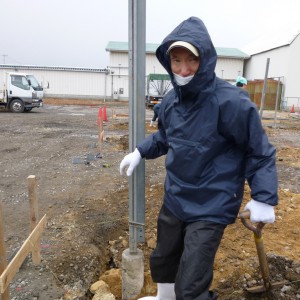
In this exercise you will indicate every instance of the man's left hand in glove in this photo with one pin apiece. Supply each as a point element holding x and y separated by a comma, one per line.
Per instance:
<point>260,212</point>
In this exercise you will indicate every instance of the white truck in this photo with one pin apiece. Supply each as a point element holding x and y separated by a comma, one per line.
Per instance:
<point>20,92</point>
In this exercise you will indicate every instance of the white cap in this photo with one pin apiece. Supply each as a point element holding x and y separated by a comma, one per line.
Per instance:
<point>186,45</point>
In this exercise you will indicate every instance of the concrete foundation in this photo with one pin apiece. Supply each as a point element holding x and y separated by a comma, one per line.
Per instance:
<point>132,274</point>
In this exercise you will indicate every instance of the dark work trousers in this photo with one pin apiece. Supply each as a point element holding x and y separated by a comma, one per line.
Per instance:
<point>155,111</point>
<point>185,254</point>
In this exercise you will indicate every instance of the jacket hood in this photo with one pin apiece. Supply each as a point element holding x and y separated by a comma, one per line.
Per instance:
<point>194,32</point>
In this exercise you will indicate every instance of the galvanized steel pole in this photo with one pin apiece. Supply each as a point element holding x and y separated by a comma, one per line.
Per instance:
<point>137,58</point>
<point>132,258</point>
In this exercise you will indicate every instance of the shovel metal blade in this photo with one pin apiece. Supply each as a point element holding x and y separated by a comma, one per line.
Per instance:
<point>262,289</point>
<point>257,289</point>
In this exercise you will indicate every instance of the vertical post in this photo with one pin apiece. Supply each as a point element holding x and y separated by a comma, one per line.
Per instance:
<point>105,80</point>
<point>112,84</point>
<point>276,104</point>
<point>100,133</point>
<point>137,57</point>
<point>3,259</point>
<point>262,103</point>
<point>132,258</point>
<point>33,202</point>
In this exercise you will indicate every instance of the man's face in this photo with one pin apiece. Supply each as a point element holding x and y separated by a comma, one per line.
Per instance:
<point>183,62</point>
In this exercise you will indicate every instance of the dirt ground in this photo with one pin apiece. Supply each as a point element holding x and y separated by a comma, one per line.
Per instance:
<point>86,203</point>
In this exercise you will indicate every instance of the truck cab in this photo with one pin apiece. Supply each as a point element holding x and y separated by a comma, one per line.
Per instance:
<point>21,92</point>
<point>39,91</point>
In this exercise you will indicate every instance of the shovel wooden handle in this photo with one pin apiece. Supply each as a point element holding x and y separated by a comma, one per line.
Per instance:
<point>245,214</point>
<point>257,230</point>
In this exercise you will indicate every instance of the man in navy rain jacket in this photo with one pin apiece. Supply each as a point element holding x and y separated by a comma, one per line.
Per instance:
<point>213,140</point>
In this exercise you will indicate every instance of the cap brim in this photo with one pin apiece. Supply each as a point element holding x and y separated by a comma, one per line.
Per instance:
<point>181,44</point>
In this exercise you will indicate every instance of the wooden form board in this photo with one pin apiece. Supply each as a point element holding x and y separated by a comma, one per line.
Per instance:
<point>3,260</point>
<point>15,264</point>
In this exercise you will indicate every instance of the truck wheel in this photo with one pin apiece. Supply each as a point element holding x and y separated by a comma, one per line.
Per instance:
<point>17,106</point>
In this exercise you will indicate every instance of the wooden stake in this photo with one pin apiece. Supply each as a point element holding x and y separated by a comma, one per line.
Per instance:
<point>34,211</point>
<point>3,259</point>
<point>100,133</point>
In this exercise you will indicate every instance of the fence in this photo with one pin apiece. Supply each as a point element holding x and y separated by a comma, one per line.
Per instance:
<point>292,103</point>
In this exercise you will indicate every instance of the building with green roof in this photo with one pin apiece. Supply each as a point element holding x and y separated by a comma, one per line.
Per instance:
<point>230,63</point>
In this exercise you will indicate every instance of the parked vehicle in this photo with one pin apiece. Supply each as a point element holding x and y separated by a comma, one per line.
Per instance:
<point>157,86</point>
<point>20,92</point>
<point>152,100</point>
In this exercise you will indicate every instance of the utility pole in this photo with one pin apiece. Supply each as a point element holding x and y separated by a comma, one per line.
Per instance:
<point>4,55</point>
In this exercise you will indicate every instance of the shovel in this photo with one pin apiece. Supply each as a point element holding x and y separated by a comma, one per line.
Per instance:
<point>263,263</point>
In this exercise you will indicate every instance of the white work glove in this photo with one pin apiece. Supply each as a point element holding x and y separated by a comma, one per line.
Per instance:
<point>260,212</point>
<point>131,160</point>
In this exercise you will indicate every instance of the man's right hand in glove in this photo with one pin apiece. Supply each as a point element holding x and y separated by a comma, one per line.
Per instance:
<point>131,160</point>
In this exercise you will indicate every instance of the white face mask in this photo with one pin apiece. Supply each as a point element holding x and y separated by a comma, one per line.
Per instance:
<point>182,80</point>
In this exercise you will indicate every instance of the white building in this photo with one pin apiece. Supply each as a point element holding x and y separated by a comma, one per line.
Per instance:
<point>230,63</point>
<point>283,50</point>
<point>112,82</point>
<point>63,82</point>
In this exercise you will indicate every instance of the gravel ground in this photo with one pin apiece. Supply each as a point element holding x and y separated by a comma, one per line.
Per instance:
<point>86,203</point>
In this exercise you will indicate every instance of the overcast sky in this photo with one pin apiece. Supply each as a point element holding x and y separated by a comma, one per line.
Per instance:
<point>75,33</point>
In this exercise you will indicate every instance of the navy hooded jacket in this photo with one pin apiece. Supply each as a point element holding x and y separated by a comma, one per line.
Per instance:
<point>212,137</point>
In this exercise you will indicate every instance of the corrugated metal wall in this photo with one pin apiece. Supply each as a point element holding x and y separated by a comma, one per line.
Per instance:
<point>73,83</point>
<point>255,89</point>
<point>70,84</point>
